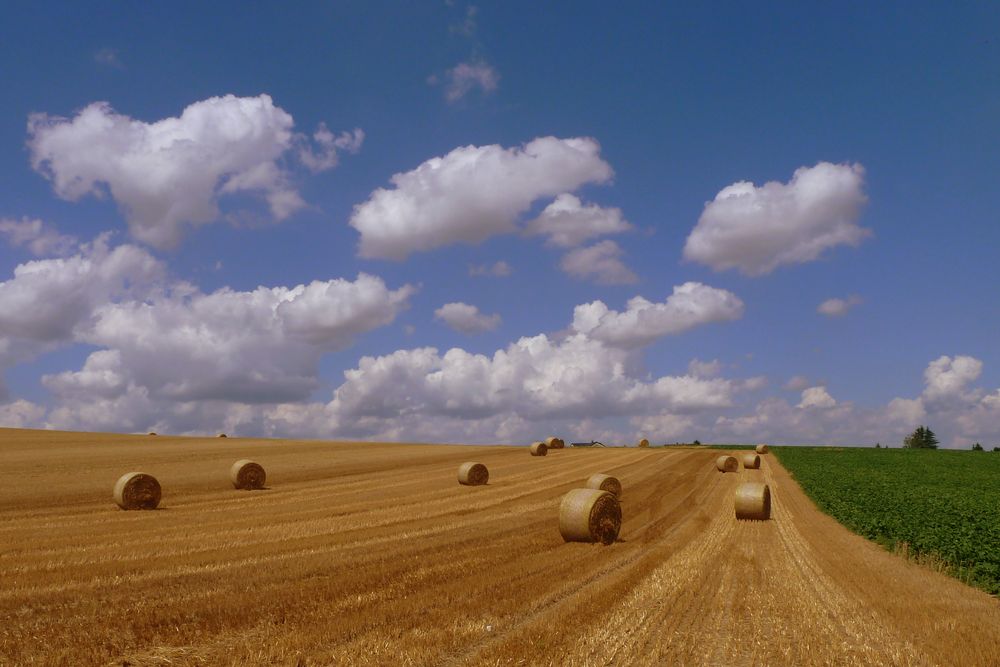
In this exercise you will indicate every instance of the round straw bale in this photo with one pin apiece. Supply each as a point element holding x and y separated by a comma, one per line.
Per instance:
<point>553,442</point>
<point>247,474</point>
<point>137,491</point>
<point>473,474</point>
<point>222,435</point>
<point>644,443</point>
<point>751,461</point>
<point>727,463</point>
<point>605,483</point>
<point>761,449</point>
<point>539,449</point>
<point>753,501</point>
<point>590,515</point>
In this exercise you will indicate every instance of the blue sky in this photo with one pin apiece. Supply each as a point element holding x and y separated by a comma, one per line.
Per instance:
<point>153,155</point>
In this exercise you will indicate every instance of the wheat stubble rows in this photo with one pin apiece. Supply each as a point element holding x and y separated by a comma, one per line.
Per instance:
<point>373,554</point>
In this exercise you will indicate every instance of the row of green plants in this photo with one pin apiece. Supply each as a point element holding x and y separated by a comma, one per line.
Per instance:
<point>938,504</point>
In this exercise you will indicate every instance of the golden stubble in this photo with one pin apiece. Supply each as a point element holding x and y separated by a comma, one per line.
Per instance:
<point>371,553</point>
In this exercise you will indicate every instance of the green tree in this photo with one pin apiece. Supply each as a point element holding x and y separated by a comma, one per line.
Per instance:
<point>921,438</point>
<point>977,447</point>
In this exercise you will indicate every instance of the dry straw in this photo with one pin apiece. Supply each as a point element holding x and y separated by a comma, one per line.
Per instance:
<point>590,515</point>
<point>762,449</point>
<point>753,501</point>
<point>137,491</point>
<point>751,461</point>
<point>605,483</point>
<point>539,449</point>
<point>247,474</point>
<point>552,442</point>
<point>727,464</point>
<point>644,443</point>
<point>473,474</point>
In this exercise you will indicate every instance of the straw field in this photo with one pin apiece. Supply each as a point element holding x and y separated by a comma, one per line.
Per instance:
<point>358,554</point>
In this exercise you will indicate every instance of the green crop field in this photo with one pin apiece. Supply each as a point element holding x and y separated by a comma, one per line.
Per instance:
<point>940,504</point>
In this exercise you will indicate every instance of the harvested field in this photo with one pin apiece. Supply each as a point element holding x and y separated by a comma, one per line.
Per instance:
<point>370,553</point>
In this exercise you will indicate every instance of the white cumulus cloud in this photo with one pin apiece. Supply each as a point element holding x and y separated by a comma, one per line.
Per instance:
<point>838,307</point>
<point>466,318</point>
<point>757,229</point>
<point>947,377</point>
<point>167,176</point>
<point>601,262</point>
<point>48,300</point>
<point>471,194</point>
<point>567,222</point>
<point>691,305</point>
<point>816,397</point>
<point>261,346</point>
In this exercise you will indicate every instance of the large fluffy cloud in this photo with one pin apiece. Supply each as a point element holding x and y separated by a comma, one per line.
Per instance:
<point>48,299</point>
<point>168,175</point>
<point>756,229</point>
<point>197,362</point>
<point>534,378</point>
<point>261,346</point>
<point>691,304</point>
<point>471,194</point>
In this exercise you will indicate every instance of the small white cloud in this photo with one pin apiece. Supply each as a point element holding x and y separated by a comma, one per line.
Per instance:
<point>816,397</point>
<point>466,318</point>
<point>705,369</point>
<point>462,78</point>
<point>568,223</point>
<point>838,307</point>
<point>499,269</point>
<point>691,305</point>
<point>328,144</point>
<point>757,230</point>
<point>38,237</point>
<point>109,58</point>
<point>600,262</point>
<point>471,194</point>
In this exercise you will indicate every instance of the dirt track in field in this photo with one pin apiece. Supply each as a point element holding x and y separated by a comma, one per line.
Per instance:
<point>373,554</point>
